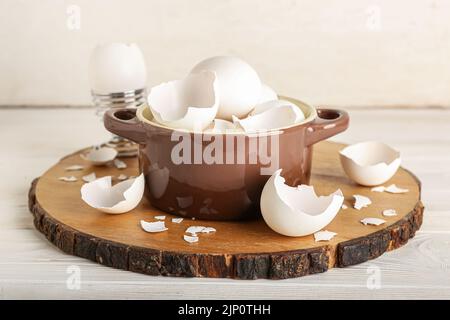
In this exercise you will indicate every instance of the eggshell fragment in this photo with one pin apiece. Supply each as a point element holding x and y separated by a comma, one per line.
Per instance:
<point>372,221</point>
<point>208,230</point>
<point>194,229</point>
<point>324,235</point>
<point>100,156</point>
<point>68,179</point>
<point>120,198</point>
<point>344,206</point>
<point>370,163</point>
<point>361,202</point>
<point>190,239</point>
<point>238,85</point>
<point>190,103</point>
<point>267,94</point>
<point>89,177</point>
<point>297,211</point>
<point>271,115</point>
<point>75,167</point>
<point>378,189</point>
<point>153,227</point>
<point>389,213</point>
<point>394,189</point>
<point>177,220</point>
<point>122,177</point>
<point>160,217</point>
<point>119,164</point>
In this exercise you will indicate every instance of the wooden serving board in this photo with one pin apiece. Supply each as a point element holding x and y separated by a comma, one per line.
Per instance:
<point>242,250</point>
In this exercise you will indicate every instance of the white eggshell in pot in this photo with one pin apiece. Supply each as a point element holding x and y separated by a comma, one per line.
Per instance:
<point>239,85</point>
<point>297,211</point>
<point>370,163</point>
<point>274,114</point>
<point>190,103</point>
<point>120,198</point>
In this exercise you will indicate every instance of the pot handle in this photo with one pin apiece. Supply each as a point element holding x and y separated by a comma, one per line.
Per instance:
<point>124,123</point>
<point>328,123</point>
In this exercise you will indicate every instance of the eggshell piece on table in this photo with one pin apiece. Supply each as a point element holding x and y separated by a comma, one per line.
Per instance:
<point>324,235</point>
<point>372,221</point>
<point>190,103</point>
<point>361,201</point>
<point>89,177</point>
<point>370,163</point>
<point>100,156</point>
<point>394,189</point>
<point>153,227</point>
<point>297,211</point>
<point>120,198</point>
<point>239,86</point>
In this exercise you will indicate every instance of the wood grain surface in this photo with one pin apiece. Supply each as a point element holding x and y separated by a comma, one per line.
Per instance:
<point>242,249</point>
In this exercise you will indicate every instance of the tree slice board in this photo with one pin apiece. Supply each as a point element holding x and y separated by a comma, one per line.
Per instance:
<point>240,250</point>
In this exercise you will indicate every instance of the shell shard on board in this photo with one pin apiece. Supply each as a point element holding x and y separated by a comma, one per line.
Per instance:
<point>68,179</point>
<point>297,211</point>
<point>100,156</point>
<point>190,239</point>
<point>370,163</point>
<point>394,189</point>
<point>389,213</point>
<point>153,227</point>
<point>190,103</point>
<point>324,235</point>
<point>89,177</point>
<point>75,167</point>
<point>120,198</point>
<point>361,202</point>
<point>372,221</point>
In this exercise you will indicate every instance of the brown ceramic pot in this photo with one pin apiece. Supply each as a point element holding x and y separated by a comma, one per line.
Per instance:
<point>229,186</point>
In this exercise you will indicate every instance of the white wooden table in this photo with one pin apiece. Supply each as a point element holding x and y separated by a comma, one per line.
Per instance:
<point>31,267</point>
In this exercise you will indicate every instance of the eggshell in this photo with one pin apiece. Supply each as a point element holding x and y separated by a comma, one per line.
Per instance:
<point>267,94</point>
<point>100,156</point>
<point>274,114</point>
<point>190,103</point>
<point>297,211</point>
<point>370,163</point>
<point>117,67</point>
<point>239,85</point>
<point>152,227</point>
<point>120,198</point>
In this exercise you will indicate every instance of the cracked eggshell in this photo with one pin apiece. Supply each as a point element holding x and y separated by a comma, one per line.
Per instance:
<point>370,163</point>
<point>120,198</point>
<point>190,103</point>
<point>267,94</point>
<point>297,211</point>
<point>239,86</point>
<point>100,156</point>
<point>274,114</point>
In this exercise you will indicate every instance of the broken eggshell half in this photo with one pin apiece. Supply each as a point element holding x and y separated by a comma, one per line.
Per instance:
<point>297,211</point>
<point>269,115</point>
<point>100,156</point>
<point>120,198</point>
<point>190,103</point>
<point>370,163</point>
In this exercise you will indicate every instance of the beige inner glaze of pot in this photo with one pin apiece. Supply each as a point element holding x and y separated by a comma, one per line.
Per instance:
<point>145,115</point>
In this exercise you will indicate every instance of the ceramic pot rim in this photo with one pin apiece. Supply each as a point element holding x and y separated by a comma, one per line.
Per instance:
<point>143,113</point>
